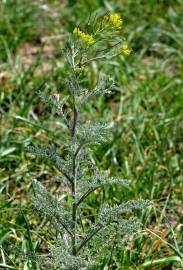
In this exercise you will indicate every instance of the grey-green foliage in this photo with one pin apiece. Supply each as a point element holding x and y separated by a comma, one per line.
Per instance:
<point>63,259</point>
<point>77,170</point>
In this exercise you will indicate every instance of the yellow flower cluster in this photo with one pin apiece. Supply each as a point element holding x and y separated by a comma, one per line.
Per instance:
<point>79,70</point>
<point>85,37</point>
<point>125,50</point>
<point>114,20</point>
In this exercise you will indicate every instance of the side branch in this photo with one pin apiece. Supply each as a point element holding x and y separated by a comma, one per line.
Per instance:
<point>97,228</point>
<point>67,176</point>
<point>99,184</point>
<point>85,195</point>
<point>78,150</point>
<point>64,226</point>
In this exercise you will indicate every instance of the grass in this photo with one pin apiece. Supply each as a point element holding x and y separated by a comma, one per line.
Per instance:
<point>145,109</point>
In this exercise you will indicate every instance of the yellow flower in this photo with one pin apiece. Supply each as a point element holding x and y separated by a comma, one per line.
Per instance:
<point>85,37</point>
<point>79,70</point>
<point>88,39</point>
<point>125,50</point>
<point>114,21</point>
<point>77,31</point>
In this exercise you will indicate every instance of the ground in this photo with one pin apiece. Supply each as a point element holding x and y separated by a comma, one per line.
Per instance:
<point>145,110</point>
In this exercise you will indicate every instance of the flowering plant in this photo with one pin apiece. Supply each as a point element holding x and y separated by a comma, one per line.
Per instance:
<point>80,241</point>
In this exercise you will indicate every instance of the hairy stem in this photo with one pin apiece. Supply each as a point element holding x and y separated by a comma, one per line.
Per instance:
<point>74,122</point>
<point>73,131</point>
<point>74,208</point>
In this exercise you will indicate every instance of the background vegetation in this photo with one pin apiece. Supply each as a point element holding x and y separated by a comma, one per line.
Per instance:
<point>145,110</point>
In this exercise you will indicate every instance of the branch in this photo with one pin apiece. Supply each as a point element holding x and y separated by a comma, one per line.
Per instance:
<point>64,226</point>
<point>101,184</point>
<point>104,86</point>
<point>97,228</point>
<point>78,149</point>
<point>98,57</point>
<point>66,175</point>
<point>92,59</point>
<point>85,195</point>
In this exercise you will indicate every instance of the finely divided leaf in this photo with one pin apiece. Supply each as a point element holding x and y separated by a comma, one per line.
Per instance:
<point>109,213</point>
<point>63,260</point>
<point>49,153</point>
<point>50,207</point>
<point>92,133</point>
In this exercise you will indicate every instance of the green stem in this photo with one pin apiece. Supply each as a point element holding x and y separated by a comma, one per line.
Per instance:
<point>73,131</point>
<point>85,195</point>
<point>97,228</point>
<point>93,59</point>
<point>74,122</point>
<point>74,212</point>
<point>74,208</point>
<point>162,261</point>
<point>97,57</point>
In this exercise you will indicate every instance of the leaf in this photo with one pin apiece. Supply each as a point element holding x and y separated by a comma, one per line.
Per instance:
<point>50,207</point>
<point>108,213</point>
<point>104,86</point>
<point>54,102</point>
<point>49,153</point>
<point>92,133</point>
<point>62,259</point>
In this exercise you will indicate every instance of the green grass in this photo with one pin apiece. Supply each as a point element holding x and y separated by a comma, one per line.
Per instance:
<point>145,109</point>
